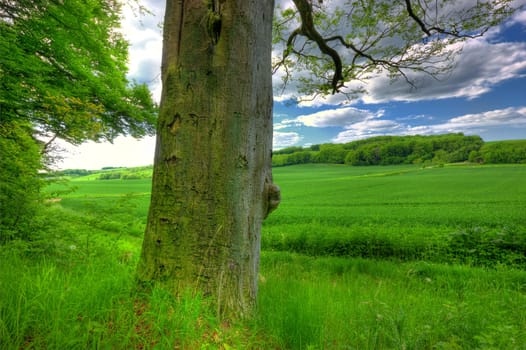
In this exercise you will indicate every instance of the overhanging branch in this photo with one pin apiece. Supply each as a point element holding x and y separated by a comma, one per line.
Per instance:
<point>411,56</point>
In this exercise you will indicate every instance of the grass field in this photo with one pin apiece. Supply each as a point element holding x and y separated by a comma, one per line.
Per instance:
<point>407,212</point>
<point>395,257</point>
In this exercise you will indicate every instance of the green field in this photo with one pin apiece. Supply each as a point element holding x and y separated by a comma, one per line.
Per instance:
<point>408,212</point>
<point>395,257</point>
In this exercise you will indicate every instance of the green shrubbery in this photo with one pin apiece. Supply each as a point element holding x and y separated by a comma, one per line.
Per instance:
<point>20,183</point>
<point>473,246</point>
<point>126,173</point>
<point>393,150</point>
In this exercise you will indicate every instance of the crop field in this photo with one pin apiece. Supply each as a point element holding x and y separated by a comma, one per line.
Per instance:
<point>407,212</point>
<point>394,257</point>
<point>438,214</point>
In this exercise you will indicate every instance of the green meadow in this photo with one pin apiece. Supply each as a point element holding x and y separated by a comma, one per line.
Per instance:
<point>379,257</point>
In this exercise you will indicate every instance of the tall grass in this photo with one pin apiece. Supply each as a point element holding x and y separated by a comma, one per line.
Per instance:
<point>304,303</point>
<point>336,303</point>
<point>394,257</point>
<point>93,305</point>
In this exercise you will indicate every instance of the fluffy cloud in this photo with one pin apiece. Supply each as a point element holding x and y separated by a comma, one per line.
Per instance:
<point>341,117</point>
<point>480,65</point>
<point>512,116</point>
<point>477,123</point>
<point>369,128</point>
<point>285,139</point>
<point>477,69</point>
<point>144,35</point>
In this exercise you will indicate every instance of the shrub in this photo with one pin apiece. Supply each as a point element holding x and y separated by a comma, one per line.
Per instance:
<point>20,184</point>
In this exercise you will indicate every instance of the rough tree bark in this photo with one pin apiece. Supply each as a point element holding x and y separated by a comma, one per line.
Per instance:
<point>212,183</point>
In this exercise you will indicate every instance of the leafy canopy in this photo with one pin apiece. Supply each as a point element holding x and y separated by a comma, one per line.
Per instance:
<point>63,69</point>
<point>62,74</point>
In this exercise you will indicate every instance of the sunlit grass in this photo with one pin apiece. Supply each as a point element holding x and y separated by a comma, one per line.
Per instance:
<point>335,303</point>
<point>388,260</point>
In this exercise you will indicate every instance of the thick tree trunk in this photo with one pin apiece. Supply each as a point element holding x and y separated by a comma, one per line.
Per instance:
<point>212,172</point>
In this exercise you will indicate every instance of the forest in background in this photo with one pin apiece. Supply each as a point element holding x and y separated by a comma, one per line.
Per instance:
<point>416,149</point>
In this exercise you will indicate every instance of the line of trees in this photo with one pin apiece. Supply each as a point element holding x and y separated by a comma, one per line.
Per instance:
<point>392,150</point>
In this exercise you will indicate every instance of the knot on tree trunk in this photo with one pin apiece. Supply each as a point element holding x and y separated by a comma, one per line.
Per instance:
<point>273,196</point>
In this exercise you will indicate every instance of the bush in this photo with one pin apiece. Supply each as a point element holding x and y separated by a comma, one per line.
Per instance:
<point>20,183</point>
<point>483,247</point>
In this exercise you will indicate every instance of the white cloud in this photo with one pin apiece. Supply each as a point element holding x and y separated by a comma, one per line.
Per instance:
<point>520,18</point>
<point>124,151</point>
<point>145,49</point>
<point>470,124</point>
<point>478,69</point>
<point>368,128</point>
<point>512,116</point>
<point>285,139</point>
<point>342,117</point>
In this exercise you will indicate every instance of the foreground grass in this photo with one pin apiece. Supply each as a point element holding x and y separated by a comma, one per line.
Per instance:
<point>92,305</point>
<point>336,303</point>
<point>304,303</point>
<point>442,248</point>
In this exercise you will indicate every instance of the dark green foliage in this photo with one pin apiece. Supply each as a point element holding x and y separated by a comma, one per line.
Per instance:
<point>484,247</point>
<point>110,176</point>
<point>73,172</point>
<point>19,180</point>
<point>63,69</point>
<point>136,173</point>
<point>62,74</point>
<point>393,150</point>
<point>332,154</point>
<point>502,152</point>
<point>288,150</point>
<point>299,157</point>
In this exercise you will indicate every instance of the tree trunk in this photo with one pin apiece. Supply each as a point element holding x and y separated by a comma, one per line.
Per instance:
<point>212,183</point>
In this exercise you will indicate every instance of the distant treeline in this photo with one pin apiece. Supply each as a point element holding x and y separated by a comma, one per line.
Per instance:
<point>391,150</point>
<point>110,173</point>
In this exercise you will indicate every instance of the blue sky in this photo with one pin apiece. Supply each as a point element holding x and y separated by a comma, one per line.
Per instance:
<point>484,95</point>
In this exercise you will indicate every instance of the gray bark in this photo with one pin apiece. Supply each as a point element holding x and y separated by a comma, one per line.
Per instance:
<point>212,183</point>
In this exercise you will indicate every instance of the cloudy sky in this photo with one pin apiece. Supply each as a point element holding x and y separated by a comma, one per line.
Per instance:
<point>484,95</point>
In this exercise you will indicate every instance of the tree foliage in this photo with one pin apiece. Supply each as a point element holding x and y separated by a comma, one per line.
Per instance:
<point>63,69</point>
<point>329,46</point>
<point>513,151</point>
<point>392,150</point>
<point>19,181</point>
<point>62,74</point>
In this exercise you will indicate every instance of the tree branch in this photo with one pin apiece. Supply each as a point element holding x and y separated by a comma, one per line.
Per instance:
<point>368,55</point>
<point>431,30</point>
<point>308,30</point>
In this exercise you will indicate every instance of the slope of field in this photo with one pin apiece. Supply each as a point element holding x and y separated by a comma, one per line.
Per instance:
<point>469,214</point>
<point>355,258</point>
<point>405,211</point>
